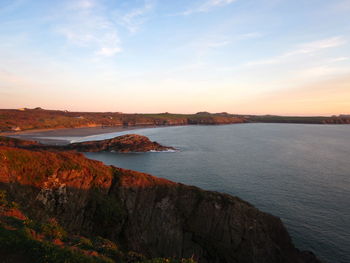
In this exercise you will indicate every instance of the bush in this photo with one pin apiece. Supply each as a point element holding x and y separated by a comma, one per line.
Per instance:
<point>107,248</point>
<point>5,203</point>
<point>53,230</point>
<point>85,243</point>
<point>3,199</point>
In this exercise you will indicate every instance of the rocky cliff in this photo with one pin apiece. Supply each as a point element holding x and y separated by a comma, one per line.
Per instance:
<point>142,213</point>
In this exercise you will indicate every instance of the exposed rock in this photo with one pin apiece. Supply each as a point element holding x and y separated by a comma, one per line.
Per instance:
<point>149,215</point>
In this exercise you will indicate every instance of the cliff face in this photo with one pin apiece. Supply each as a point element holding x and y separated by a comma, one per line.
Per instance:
<point>149,215</point>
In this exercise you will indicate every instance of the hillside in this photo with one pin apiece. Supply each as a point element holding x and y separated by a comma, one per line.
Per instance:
<point>29,119</point>
<point>152,217</point>
<point>298,119</point>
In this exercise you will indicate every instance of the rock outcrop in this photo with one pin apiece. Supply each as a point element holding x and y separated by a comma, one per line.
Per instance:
<point>142,213</point>
<point>124,143</point>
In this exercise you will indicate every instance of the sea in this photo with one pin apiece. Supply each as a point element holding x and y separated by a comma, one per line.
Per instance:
<point>298,172</point>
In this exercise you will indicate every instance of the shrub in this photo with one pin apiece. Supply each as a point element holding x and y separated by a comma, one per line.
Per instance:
<point>85,243</point>
<point>53,230</point>
<point>5,203</point>
<point>107,248</point>
<point>3,199</point>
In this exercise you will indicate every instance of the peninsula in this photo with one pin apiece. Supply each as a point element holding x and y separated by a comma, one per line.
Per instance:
<point>122,144</point>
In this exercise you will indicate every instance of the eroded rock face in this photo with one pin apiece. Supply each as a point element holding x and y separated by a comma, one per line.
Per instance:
<point>149,215</point>
<point>173,219</point>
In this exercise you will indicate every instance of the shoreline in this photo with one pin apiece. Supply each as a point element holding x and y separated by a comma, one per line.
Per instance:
<point>43,135</point>
<point>61,129</point>
<point>57,134</point>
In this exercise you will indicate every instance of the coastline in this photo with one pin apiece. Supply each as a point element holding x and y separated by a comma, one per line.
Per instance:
<point>43,135</point>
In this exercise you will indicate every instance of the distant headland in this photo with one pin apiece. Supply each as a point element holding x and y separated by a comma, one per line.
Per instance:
<point>23,119</point>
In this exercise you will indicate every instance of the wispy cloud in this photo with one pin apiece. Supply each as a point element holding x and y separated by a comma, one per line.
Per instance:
<point>203,46</point>
<point>206,6</point>
<point>314,46</point>
<point>250,35</point>
<point>302,50</point>
<point>216,44</point>
<point>88,25</point>
<point>338,59</point>
<point>136,17</point>
<point>321,72</point>
<point>82,4</point>
<point>108,51</point>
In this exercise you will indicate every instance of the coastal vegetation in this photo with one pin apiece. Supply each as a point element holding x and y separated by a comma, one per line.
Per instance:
<point>25,240</point>
<point>29,119</point>
<point>62,207</point>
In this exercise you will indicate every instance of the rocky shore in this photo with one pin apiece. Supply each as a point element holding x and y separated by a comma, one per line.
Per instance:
<point>139,213</point>
<point>122,144</point>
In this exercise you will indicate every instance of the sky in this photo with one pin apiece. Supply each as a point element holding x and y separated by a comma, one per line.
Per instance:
<point>285,57</point>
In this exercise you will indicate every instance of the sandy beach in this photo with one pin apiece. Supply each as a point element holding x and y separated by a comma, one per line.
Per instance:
<point>57,135</point>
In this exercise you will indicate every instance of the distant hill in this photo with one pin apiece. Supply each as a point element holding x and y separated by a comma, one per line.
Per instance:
<point>299,119</point>
<point>29,119</point>
<point>15,120</point>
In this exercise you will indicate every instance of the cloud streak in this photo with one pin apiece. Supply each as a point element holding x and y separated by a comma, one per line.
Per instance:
<point>87,25</point>
<point>302,50</point>
<point>137,17</point>
<point>82,4</point>
<point>91,25</point>
<point>207,6</point>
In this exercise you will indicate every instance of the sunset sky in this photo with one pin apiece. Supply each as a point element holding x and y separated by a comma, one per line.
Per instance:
<point>288,57</point>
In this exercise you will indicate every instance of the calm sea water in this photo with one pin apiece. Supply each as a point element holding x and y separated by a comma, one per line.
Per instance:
<point>300,173</point>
